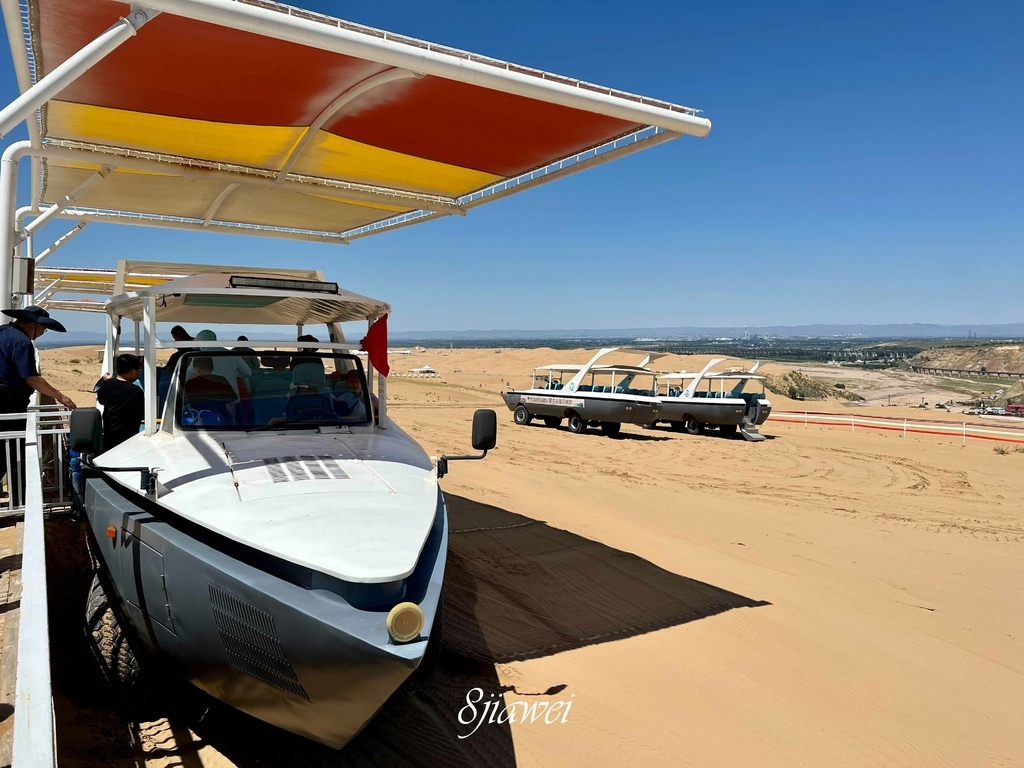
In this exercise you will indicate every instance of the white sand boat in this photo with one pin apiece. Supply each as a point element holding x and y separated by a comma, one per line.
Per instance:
<point>587,395</point>
<point>276,547</point>
<point>691,402</point>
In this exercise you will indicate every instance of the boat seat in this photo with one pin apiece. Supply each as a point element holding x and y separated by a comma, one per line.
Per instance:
<point>585,388</point>
<point>269,398</point>
<point>310,406</point>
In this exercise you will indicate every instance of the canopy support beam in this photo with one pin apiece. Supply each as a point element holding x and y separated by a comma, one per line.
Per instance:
<point>215,206</point>
<point>69,71</point>
<point>336,106</point>
<point>64,202</point>
<point>128,159</point>
<point>60,241</point>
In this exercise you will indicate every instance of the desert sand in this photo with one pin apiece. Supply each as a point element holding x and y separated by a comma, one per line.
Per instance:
<point>821,598</point>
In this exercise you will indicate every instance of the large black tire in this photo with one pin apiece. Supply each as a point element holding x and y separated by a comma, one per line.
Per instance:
<point>552,421</point>
<point>577,424</point>
<point>522,416</point>
<point>113,648</point>
<point>727,430</point>
<point>692,426</point>
<point>610,428</point>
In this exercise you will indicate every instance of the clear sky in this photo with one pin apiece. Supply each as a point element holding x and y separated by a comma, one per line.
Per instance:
<point>865,164</point>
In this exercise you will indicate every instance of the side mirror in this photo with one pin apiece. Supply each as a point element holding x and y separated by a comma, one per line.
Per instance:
<point>485,429</point>
<point>485,435</point>
<point>86,428</point>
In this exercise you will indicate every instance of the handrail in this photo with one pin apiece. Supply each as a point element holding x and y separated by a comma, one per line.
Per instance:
<point>34,734</point>
<point>964,430</point>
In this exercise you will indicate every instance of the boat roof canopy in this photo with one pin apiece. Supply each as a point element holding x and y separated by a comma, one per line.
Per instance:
<point>248,297</point>
<point>576,368</point>
<point>254,116</point>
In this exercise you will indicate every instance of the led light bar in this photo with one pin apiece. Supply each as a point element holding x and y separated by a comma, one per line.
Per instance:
<point>283,284</point>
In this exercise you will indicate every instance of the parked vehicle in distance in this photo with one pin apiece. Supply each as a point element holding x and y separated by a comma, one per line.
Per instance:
<point>587,395</point>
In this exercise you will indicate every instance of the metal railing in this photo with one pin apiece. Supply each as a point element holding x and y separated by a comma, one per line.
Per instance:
<point>41,451</point>
<point>962,430</point>
<point>51,425</point>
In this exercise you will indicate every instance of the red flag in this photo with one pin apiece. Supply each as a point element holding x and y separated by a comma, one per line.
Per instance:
<point>375,344</point>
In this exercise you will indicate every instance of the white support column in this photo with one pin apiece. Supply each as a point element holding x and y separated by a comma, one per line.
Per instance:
<point>108,347</point>
<point>149,368</point>
<point>369,365</point>
<point>382,402</point>
<point>76,65</point>
<point>137,338</point>
<point>8,203</point>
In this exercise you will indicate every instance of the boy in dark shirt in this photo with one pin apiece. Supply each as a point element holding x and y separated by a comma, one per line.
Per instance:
<point>123,402</point>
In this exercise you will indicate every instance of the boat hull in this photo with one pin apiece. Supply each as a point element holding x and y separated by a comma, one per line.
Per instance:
<point>592,407</point>
<point>297,649</point>
<point>714,412</point>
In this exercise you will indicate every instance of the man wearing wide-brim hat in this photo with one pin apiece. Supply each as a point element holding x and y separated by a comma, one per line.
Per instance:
<point>19,377</point>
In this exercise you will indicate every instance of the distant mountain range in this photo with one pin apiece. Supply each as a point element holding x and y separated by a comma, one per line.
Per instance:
<point>896,331</point>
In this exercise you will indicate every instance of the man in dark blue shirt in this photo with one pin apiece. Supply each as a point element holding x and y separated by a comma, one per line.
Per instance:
<point>19,377</point>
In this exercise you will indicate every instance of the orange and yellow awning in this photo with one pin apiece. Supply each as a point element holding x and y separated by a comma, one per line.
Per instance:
<point>215,118</point>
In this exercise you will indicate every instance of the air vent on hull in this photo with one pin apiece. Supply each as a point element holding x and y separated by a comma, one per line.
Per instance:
<point>288,469</point>
<point>250,640</point>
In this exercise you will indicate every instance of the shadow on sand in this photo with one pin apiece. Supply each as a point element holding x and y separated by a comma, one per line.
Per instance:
<point>516,589</point>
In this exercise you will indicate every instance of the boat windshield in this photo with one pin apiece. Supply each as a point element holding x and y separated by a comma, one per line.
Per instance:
<point>242,389</point>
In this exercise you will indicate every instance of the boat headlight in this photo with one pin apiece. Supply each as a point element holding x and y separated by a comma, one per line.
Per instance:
<point>405,622</point>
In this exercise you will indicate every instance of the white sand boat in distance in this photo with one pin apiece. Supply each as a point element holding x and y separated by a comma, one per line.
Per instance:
<point>697,404</point>
<point>592,395</point>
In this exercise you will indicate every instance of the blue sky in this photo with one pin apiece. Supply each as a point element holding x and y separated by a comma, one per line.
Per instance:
<point>865,165</point>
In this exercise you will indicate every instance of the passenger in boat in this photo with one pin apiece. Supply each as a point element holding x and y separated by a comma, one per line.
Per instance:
<point>249,356</point>
<point>123,402</point>
<point>306,355</point>
<point>350,398</point>
<point>230,367</point>
<point>19,376</point>
<point>178,334</point>
<point>206,390</point>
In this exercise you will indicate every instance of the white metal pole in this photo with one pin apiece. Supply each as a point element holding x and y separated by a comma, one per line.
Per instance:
<point>137,338</point>
<point>108,347</point>
<point>70,70</point>
<point>417,56</point>
<point>149,368</point>
<point>382,402</point>
<point>67,200</point>
<point>60,241</point>
<point>8,203</point>
<point>853,426</point>
<point>904,427</point>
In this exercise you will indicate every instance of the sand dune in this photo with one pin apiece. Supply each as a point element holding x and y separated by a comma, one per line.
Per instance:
<point>822,598</point>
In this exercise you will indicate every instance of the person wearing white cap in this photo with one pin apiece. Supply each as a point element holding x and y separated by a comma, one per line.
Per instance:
<point>19,377</point>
